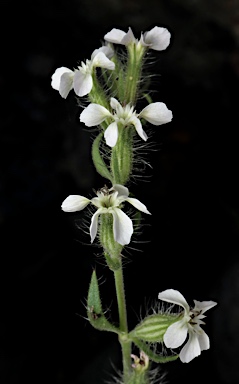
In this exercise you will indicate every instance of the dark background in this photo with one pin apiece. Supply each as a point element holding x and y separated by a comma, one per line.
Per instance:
<point>190,242</point>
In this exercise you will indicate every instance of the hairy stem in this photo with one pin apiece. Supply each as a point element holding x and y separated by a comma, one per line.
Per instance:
<point>123,324</point>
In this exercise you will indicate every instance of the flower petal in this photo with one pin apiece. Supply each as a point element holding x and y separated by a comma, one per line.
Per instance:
<point>106,49</point>
<point>158,38</point>
<point>176,334</point>
<point>138,126</point>
<point>175,297</point>
<point>115,36</point>
<point>66,84</point>
<point>94,114</point>
<point>122,190</point>
<point>74,203</point>
<point>116,105</point>
<point>128,38</point>
<point>203,340</point>
<point>56,77</point>
<point>111,134</point>
<point>137,204</point>
<point>100,60</point>
<point>82,83</point>
<point>122,226</point>
<point>204,306</point>
<point>157,113</point>
<point>191,349</point>
<point>94,225</point>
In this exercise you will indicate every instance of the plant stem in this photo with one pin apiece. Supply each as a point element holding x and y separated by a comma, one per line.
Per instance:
<point>123,324</point>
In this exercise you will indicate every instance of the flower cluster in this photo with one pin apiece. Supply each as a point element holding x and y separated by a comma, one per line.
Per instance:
<point>111,84</point>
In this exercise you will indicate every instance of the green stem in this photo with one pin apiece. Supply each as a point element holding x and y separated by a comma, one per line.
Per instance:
<point>123,324</point>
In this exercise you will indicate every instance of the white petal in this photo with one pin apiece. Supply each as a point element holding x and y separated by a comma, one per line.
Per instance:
<point>191,349</point>
<point>56,77</point>
<point>122,226</point>
<point>158,38</point>
<point>128,38</point>
<point>138,126</point>
<point>94,114</point>
<point>66,84</point>
<point>204,306</point>
<point>175,297</point>
<point>176,334</point>
<point>107,50</point>
<point>115,104</point>
<point>82,83</point>
<point>137,204</point>
<point>74,203</point>
<point>115,36</point>
<point>94,225</point>
<point>122,190</point>
<point>111,134</point>
<point>157,113</point>
<point>203,340</point>
<point>96,201</point>
<point>100,60</point>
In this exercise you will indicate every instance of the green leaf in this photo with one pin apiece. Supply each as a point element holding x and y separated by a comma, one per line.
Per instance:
<point>157,358</point>
<point>99,163</point>
<point>94,308</point>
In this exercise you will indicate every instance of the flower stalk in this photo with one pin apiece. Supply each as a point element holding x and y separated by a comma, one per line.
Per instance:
<point>123,324</point>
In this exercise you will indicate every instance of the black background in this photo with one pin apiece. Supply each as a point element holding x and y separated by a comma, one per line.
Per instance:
<point>190,242</point>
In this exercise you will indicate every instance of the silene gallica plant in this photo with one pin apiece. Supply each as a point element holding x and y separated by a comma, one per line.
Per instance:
<point>110,86</point>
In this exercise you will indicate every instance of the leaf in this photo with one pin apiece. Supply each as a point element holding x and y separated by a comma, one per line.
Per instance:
<point>99,163</point>
<point>94,308</point>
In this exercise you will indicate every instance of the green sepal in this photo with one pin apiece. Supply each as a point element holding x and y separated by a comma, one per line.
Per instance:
<point>99,163</point>
<point>157,358</point>
<point>153,327</point>
<point>113,263</point>
<point>94,308</point>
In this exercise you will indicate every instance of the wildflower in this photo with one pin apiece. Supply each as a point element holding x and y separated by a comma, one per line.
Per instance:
<point>64,79</point>
<point>94,114</point>
<point>108,201</point>
<point>158,38</point>
<point>190,323</point>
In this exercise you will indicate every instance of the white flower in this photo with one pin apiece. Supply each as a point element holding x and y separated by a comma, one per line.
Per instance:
<point>189,324</point>
<point>94,114</point>
<point>108,201</point>
<point>64,79</point>
<point>158,38</point>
